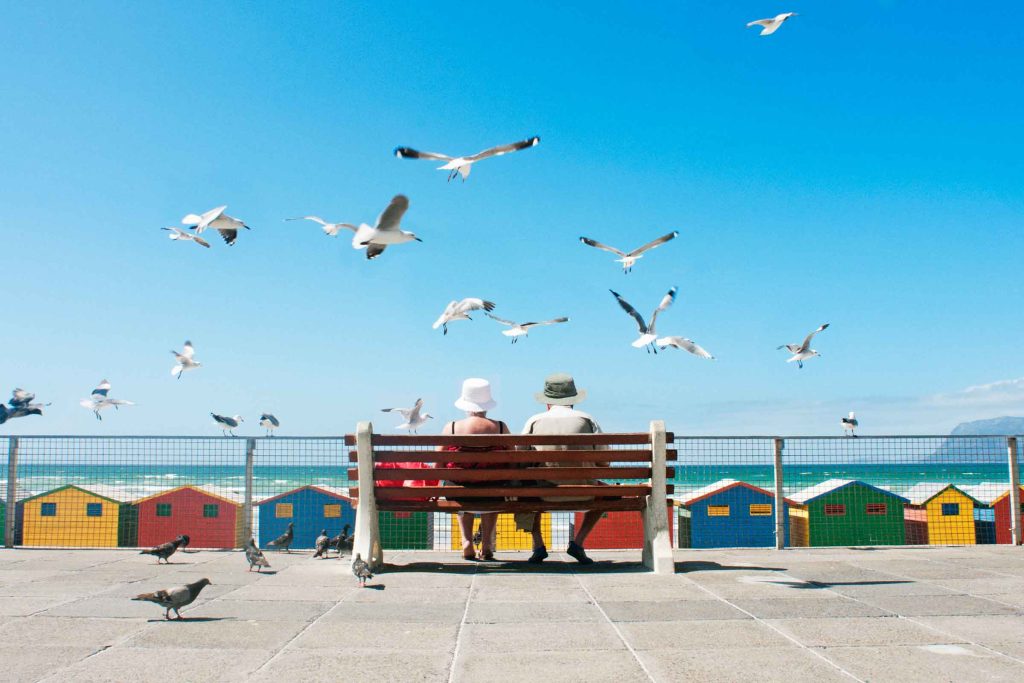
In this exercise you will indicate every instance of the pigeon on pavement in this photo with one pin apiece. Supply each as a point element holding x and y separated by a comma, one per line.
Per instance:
<point>322,544</point>
<point>361,570</point>
<point>175,598</point>
<point>284,541</point>
<point>255,556</point>
<point>165,550</point>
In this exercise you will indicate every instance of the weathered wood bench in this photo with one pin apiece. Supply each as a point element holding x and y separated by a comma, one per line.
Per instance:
<point>632,456</point>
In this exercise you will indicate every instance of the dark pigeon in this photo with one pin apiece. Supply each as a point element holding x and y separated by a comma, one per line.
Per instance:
<point>165,550</point>
<point>361,570</point>
<point>342,541</point>
<point>322,543</point>
<point>285,540</point>
<point>20,406</point>
<point>175,598</point>
<point>255,556</point>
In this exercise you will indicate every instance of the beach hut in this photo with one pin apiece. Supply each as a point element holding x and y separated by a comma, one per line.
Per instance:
<point>1001,508</point>
<point>405,530</point>
<point>210,516</point>
<point>730,514</point>
<point>75,516</point>
<point>993,511</point>
<point>984,525</point>
<point>3,523</point>
<point>621,530</point>
<point>939,514</point>
<point>846,512</point>
<point>310,509</point>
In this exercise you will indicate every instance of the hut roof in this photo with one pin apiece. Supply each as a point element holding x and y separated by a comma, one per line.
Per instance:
<point>225,494</point>
<point>333,491</point>
<point>111,493</point>
<point>920,494</point>
<point>826,487</point>
<point>718,487</point>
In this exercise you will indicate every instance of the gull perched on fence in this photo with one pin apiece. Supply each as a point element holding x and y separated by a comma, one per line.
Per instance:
<point>802,352</point>
<point>100,400</point>
<point>227,424</point>
<point>770,26</point>
<point>179,234</point>
<point>518,330</point>
<point>186,360</point>
<point>632,257</point>
<point>459,310</point>
<point>20,405</point>
<point>269,422</point>
<point>226,225</point>
<point>330,229</point>
<point>647,334</point>
<point>414,419</point>
<point>684,344</point>
<point>849,424</point>
<point>463,165</point>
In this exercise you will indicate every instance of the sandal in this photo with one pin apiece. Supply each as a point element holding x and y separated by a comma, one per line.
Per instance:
<point>468,552</point>
<point>487,555</point>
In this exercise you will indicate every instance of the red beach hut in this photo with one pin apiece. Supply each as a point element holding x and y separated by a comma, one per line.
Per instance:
<point>211,517</point>
<point>1001,505</point>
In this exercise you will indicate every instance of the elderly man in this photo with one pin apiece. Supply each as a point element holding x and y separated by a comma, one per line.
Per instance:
<point>560,396</point>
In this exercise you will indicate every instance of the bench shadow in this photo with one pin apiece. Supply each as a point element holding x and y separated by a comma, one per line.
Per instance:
<point>705,566</point>
<point>515,567</point>
<point>827,585</point>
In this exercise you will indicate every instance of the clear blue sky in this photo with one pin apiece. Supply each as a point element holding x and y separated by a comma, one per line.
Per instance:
<point>864,166</point>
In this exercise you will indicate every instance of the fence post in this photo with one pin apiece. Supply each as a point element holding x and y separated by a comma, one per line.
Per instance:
<point>250,450</point>
<point>12,491</point>
<point>367,535</point>
<point>1015,528</point>
<point>657,553</point>
<point>780,498</point>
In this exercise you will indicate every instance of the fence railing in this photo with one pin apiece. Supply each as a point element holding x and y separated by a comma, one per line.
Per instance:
<point>72,491</point>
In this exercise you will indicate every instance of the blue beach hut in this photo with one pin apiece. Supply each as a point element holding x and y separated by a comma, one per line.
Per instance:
<point>730,514</point>
<point>310,509</point>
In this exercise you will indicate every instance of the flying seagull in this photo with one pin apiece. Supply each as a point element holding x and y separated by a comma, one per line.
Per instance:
<point>684,344</point>
<point>322,544</point>
<point>20,405</point>
<point>414,419</point>
<point>850,424</point>
<point>647,334</point>
<point>186,360</point>
<point>269,422</point>
<point>517,330</point>
<point>632,257</point>
<point>459,310</point>
<point>226,225</point>
<point>165,550</point>
<point>802,352</point>
<point>179,234</point>
<point>99,400</point>
<point>772,25</point>
<point>385,231</point>
<point>227,424</point>
<point>361,570</point>
<point>463,165</point>
<point>285,539</point>
<point>330,229</point>
<point>175,598</point>
<point>255,556</point>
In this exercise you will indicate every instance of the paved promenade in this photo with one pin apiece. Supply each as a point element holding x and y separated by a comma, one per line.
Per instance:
<point>907,614</point>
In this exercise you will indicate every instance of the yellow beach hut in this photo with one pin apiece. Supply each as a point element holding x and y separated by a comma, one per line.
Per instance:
<point>74,516</point>
<point>939,514</point>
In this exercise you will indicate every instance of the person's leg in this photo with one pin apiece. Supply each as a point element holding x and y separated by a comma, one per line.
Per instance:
<point>488,521</point>
<point>539,551</point>
<point>575,549</point>
<point>466,520</point>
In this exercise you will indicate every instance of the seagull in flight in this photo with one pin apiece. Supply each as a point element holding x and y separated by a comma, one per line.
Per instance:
<point>802,352</point>
<point>770,26</point>
<point>100,400</point>
<point>414,419</point>
<point>632,257</point>
<point>459,310</point>
<point>269,422</point>
<point>226,225</point>
<point>179,234</point>
<point>20,405</point>
<point>330,229</point>
<point>517,330</point>
<point>385,231</point>
<point>227,424</point>
<point>463,165</point>
<point>186,360</point>
<point>684,344</point>
<point>647,334</point>
<point>849,424</point>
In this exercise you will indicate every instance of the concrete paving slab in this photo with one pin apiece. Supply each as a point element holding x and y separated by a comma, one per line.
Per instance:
<point>317,665</point>
<point>290,610</point>
<point>689,635</point>
<point>988,586</point>
<point>57,631</point>
<point>925,663</point>
<point>22,607</point>
<point>980,629</point>
<point>922,569</point>
<point>526,613</point>
<point>855,631</point>
<point>1011,648</point>
<point>30,663</point>
<point>337,635</point>
<point>938,605</point>
<point>796,608</point>
<point>538,637</point>
<point>215,634</point>
<point>300,593</point>
<point>783,664</point>
<point>134,665</point>
<point>857,589</point>
<point>366,612</point>
<point>674,591</point>
<point>66,588</point>
<point>529,594</point>
<point>594,666</point>
<point>384,592</point>
<point>671,610</point>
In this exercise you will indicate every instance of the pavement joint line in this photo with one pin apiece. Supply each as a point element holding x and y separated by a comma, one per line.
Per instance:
<point>462,625</point>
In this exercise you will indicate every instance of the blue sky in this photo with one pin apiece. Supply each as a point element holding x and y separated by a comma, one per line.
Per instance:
<point>864,167</point>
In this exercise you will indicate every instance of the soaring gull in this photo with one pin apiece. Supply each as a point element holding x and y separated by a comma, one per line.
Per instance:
<point>330,229</point>
<point>227,424</point>
<point>179,234</point>
<point>226,225</point>
<point>770,26</point>
<point>385,231</point>
<point>628,259</point>
<point>684,344</point>
<point>20,405</point>
<point>463,165</point>
<point>414,419</point>
<point>517,330</point>
<point>186,360</point>
<point>100,400</point>
<point>459,310</point>
<point>802,352</point>
<point>647,333</point>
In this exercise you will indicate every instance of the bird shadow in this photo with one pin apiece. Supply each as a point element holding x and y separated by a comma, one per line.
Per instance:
<point>701,566</point>
<point>269,572</point>
<point>190,619</point>
<point>376,586</point>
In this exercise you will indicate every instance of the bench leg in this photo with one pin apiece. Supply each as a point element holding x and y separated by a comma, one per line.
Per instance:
<point>657,554</point>
<point>367,536</point>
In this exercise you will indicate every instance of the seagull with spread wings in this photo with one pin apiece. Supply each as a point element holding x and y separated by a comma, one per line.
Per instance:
<point>463,165</point>
<point>517,330</point>
<point>459,310</point>
<point>227,226</point>
<point>628,259</point>
<point>647,334</point>
<point>683,344</point>
<point>20,405</point>
<point>386,230</point>
<point>100,400</point>
<point>330,229</point>
<point>414,419</point>
<point>186,360</point>
<point>179,234</point>
<point>802,352</point>
<point>770,26</point>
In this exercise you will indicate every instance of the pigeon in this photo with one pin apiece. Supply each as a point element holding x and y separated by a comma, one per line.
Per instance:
<point>477,539</point>
<point>186,360</point>
<point>385,231</point>
<point>342,541</point>
<point>226,225</point>
<point>179,234</point>
<point>647,334</point>
<point>100,400</point>
<point>414,419</point>
<point>459,310</point>
<point>227,424</point>
<point>284,540</point>
<point>165,550</point>
<point>20,405</point>
<point>632,257</point>
<point>517,330</point>
<point>330,229</point>
<point>802,352</point>
<point>323,542</point>
<point>175,598</point>
<point>463,165</point>
<point>684,344</point>
<point>850,424</point>
<point>770,26</point>
<point>269,422</point>
<point>255,556</point>
<point>361,570</point>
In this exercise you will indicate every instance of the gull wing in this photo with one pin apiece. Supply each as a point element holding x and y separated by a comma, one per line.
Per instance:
<point>666,301</point>
<point>374,250</point>
<point>392,216</point>
<point>501,320</point>
<point>807,341</point>
<point>632,311</point>
<point>546,322</point>
<point>684,344</point>
<point>504,149</point>
<point>102,389</point>
<point>761,22</point>
<point>414,414</point>
<point>201,222</point>
<point>410,153</point>
<point>177,233</point>
<point>315,219</point>
<point>475,304</point>
<point>229,235</point>
<point>651,245</point>
<point>604,247</point>
<point>448,310</point>
<point>20,397</point>
<point>199,240</point>
<point>188,351</point>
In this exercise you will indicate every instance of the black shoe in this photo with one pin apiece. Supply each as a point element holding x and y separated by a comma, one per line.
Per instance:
<point>576,550</point>
<point>539,554</point>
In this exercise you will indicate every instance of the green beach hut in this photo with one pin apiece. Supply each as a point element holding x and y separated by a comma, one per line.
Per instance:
<point>846,512</point>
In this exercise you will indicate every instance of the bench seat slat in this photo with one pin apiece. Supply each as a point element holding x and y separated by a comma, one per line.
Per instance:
<point>514,474</point>
<point>631,503</point>
<point>610,439</point>
<point>388,493</point>
<point>610,455</point>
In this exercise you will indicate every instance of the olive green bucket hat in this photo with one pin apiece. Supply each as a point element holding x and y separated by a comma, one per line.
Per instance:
<point>560,390</point>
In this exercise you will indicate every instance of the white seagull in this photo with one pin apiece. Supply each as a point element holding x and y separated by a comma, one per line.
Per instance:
<point>100,400</point>
<point>772,25</point>
<point>227,424</point>
<point>330,229</point>
<point>269,422</point>
<point>647,333</point>
<point>802,352</point>
<point>186,360</point>
<point>459,310</point>
<point>226,225</point>
<point>518,330</point>
<point>849,424</point>
<point>632,257</point>
<point>179,234</point>
<point>385,231</point>
<point>414,419</point>
<point>463,165</point>
<point>684,344</point>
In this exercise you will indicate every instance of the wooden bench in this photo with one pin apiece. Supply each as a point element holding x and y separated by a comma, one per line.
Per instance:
<point>633,456</point>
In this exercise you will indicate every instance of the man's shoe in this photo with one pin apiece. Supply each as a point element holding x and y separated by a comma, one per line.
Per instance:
<point>576,550</point>
<point>539,554</point>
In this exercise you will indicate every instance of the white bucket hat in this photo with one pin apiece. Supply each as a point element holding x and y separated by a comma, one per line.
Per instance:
<point>476,396</point>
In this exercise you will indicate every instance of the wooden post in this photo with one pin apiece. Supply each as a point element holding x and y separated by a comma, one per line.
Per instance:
<point>250,449</point>
<point>780,498</point>
<point>12,491</point>
<point>367,535</point>
<point>1015,524</point>
<point>657,553</point>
